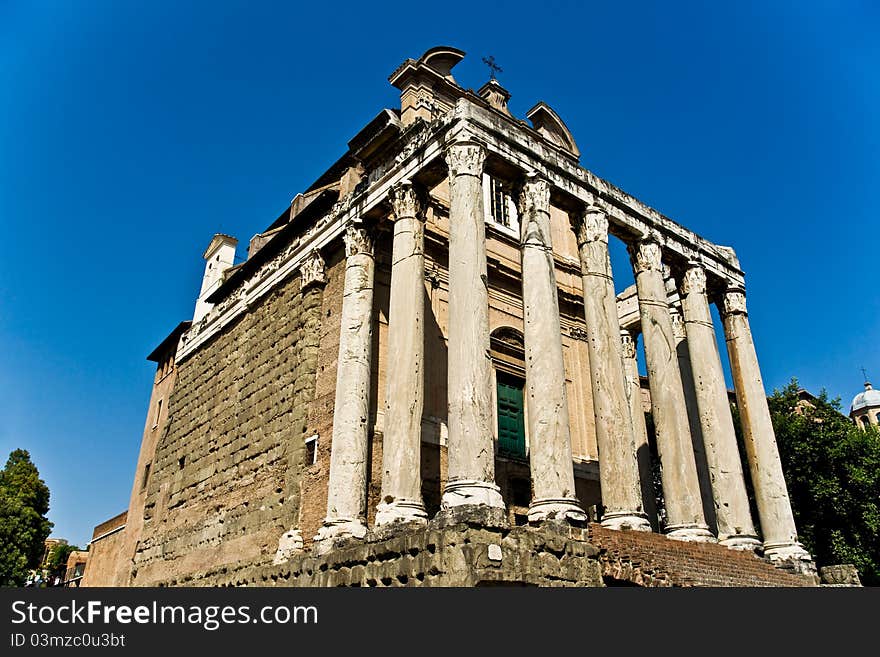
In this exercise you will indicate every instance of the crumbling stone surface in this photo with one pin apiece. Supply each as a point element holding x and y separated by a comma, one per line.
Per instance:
<point>840,575</point>
<point>457,554</point>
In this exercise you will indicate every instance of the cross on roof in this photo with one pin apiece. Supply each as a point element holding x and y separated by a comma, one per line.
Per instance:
<point>864,373</point>
<point>493,67</point>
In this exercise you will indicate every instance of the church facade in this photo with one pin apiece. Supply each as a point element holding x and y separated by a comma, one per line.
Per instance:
<point>422,374</point>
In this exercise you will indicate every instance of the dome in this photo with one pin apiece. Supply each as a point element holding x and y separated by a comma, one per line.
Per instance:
<point>870,398</point>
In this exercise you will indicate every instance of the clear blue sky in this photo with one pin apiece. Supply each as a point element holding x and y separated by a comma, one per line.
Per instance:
<point>131,132</point>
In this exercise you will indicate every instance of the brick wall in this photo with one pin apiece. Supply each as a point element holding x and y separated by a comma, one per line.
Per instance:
<point>226,471</point>
<point>649,559</point>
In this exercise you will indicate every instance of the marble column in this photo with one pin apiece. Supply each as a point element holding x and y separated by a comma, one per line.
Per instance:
<point>549,433</point>
<point>470,438</point>
<point>681,487</point>
<point>732,515</point>
<point>618,463</point>
<point>682,349</point>
<point>401,499</point>
<point>771,495</point>
<point>629,344</point>
<point>347,488</point>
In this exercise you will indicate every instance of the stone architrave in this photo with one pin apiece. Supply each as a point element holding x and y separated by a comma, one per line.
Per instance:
<point>732,515</point>
<point>347,487</point>
<point>629,345</point>
<point>681,486</point>
<point>771,495</point>
<point>616,440</point>
<point>401,499</point>
<point>470,441</point>
<point>682,348</point>
<point>549,433</point>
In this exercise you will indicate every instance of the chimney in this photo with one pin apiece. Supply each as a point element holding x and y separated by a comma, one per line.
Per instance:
<point>496,95</point>
<point>219,256</point>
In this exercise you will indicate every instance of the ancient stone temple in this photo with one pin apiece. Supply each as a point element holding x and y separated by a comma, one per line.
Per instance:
<point>422,375</point>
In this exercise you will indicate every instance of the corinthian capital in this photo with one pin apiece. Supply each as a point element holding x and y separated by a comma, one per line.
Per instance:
<point>465,158</point>
<point>312,270</point>
<point>534,196</point>
<point>694,280</point>
<point>646,255</point>
<point>405,200</point>
<point>358,240</point>
<point>591,225</point>
<point>734,301</point>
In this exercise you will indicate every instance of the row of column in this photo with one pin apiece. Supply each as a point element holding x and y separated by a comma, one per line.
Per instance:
<point>623,453</point>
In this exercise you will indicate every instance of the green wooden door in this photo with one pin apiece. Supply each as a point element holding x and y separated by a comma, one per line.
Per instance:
<point>511,429</point>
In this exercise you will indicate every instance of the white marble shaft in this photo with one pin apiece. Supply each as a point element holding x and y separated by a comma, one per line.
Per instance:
<point>618,464</point>
<point>470,441</point>
<point>401,499</point>
<point>732,514</point>
<point>771,495</point>
<point>549,432</point>
<point>682,349</point>
<point>681,487</point>
<point>629,345</point>
<point>347,488</point>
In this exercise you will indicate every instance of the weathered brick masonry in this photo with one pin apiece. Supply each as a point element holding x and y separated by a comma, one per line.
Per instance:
<point>225,482</point>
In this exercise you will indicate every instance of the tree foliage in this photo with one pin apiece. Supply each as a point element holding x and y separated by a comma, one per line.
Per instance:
<point>24,502</point>
<point>58,555</point>
<point>832,469</point>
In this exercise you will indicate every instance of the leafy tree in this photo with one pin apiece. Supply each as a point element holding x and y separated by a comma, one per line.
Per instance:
<point>24,502</point>
<point>57,561</point>
<point>832,469</point>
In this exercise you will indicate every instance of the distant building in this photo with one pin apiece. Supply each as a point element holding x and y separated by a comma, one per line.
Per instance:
<point>865,408</point>
<point>76,566</point>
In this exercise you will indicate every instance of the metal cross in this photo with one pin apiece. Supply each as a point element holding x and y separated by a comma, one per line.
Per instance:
<point>864,374</point>
<point>493,67</point>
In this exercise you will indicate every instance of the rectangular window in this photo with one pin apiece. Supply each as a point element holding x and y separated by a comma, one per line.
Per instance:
<point>145,476</point>
<point>500,207</point>
<point>158,411</point>
<point>312,450</point>
<point>511,426</point>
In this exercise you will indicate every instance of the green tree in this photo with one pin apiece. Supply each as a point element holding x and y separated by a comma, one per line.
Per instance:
<point>57,561</point>
<point>24,502</point>
<point>832,469</point>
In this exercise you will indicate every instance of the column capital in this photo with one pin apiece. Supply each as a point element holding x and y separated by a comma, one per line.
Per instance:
<point>312,270</point>
<point>358,240</point>
<point>693,280</point>
<point>534,196</point>
<point>465,158</point>
<point>734,301</point>
<point>628,343</point>
<point>590,224</point>
<point>646,255</point>
<point>406,201</point>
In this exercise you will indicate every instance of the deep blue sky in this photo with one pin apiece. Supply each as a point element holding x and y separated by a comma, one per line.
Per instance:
<point>131,132</point>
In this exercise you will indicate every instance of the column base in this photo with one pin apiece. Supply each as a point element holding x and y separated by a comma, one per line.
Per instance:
<point>786,552</point>
<point>400,511</point>
<point>290,543</point>
<point>559,509</point>
<point>743,542</point>
<point>695,532</point>
<point>470,492</point>
<point>336,530</point>
<point>626,520</point>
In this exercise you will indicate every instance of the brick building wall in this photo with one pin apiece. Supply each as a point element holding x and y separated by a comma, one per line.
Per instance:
<point>226,470</point>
